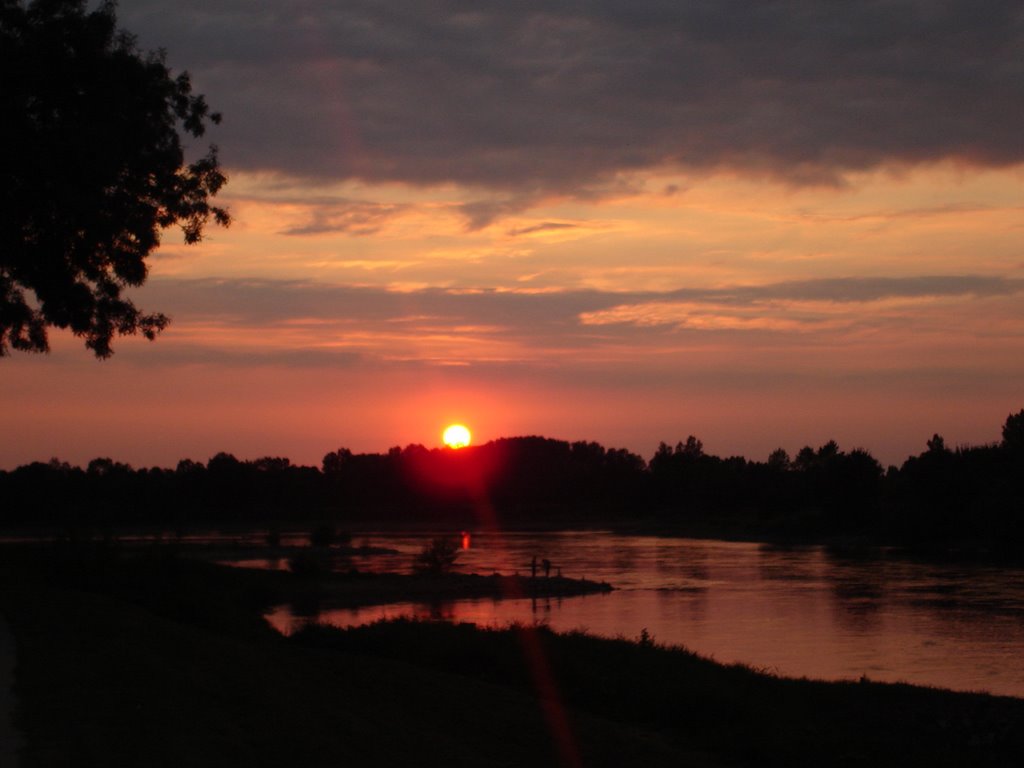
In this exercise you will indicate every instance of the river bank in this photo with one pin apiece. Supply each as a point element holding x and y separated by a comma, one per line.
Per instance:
<point>160,660</point>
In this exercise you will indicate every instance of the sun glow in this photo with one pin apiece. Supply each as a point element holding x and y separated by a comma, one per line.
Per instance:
<point>456,436</point>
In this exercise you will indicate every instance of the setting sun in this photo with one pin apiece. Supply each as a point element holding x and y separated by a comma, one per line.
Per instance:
<point>456,436</point>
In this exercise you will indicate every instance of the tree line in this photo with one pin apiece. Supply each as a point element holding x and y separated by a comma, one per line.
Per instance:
<point>969,494</point>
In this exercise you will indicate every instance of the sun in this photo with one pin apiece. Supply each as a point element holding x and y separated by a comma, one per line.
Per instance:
<point>456,436</point>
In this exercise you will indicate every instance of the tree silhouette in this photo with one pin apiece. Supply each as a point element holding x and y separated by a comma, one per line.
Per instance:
<point>937,445</point>
<point>93,169</point>
<point>967,497</point>
<point>436,558</point>
<point>779,459</point>
<point>1013,432</point>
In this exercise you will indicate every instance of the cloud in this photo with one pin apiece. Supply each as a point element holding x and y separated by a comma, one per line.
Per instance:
<point>282,300</point>
<point>562,97</point>
<point>244,302</point>
<point>824,305</point>
<point>709,317</point>
<point>861,289</point>
<point>352,217</point>
<point>547,226</point>
<point>480,213</point>
<point>257,317</point>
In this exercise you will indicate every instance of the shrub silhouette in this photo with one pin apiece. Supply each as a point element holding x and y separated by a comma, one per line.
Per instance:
<point>437,558</point>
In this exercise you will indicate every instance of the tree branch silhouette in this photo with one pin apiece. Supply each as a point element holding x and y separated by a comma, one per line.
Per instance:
<point>93,169</point>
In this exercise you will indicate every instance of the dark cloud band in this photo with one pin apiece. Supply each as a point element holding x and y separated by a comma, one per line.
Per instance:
<point>261,302</point>
<point>561,96</point>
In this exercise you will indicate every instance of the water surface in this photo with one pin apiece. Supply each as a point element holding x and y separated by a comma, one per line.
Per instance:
<point>796,612</point>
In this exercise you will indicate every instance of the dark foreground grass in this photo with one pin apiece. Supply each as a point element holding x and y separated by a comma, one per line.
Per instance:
<point>730,711</point>
<point>155,661</point>
<point>106,683</point>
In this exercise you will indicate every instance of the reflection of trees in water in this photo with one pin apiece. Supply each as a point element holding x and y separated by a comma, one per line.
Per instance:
<point>624,556</point>
<point>686,599</point>
<point>968,599</point>
<point>685,604</point>
<point>544,604</point>
<point>857,614</point>
<point>859,591</point>
<point>776,562</point>
<point>439,610</point>
<point>957,601</point>
<point>689,562</point>
<point>945,590</point>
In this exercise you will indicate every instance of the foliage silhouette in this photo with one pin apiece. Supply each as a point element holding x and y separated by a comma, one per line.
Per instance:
<point>968,497</point>
<point>437,557</point>
<point>93,170</point>
<point>1013,432</point>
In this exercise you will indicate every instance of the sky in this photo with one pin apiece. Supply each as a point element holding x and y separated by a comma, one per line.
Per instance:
<point>767,225</point>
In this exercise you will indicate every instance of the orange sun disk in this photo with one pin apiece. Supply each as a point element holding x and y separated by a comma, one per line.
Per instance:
<point>456,436</point>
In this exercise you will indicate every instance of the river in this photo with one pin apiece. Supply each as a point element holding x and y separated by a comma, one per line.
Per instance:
<point>798,612</point>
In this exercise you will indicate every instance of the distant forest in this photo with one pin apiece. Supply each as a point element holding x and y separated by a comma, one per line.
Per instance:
<point>968,495</point>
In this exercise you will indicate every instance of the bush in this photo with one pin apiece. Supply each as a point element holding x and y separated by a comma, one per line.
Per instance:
<point>438,557</point>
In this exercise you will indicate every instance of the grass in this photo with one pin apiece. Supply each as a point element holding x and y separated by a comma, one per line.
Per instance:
<point>107,683</point>
<point>731,711</point>
<point>158,661</point>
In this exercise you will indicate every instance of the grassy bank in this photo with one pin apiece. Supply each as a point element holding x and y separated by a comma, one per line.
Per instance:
<point>154,660</point>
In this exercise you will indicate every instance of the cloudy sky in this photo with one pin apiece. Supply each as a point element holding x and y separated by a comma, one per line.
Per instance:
<point>766,224</point>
